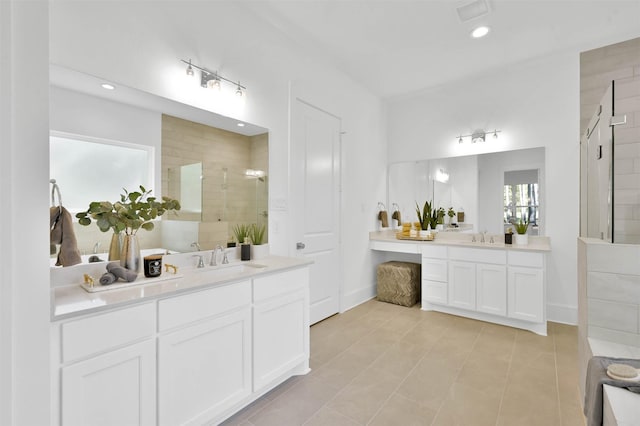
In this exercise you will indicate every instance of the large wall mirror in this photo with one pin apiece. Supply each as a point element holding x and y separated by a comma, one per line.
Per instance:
<point>103,141</point>
<point>492,190</point>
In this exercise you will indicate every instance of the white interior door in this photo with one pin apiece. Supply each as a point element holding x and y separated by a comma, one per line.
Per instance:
<point>315,205</point>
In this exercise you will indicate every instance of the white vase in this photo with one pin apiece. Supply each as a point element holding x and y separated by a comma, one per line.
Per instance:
<point>259,251</point>
<point>521,239</point>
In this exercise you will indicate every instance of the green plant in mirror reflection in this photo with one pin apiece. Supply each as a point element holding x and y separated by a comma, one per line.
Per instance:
<point>241,232</point>
<point>257,234</point>
<point>135,210</point>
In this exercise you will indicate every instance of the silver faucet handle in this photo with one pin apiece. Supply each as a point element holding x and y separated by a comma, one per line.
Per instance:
<point>491,240</point>
<point>473,238</point>
<point>213,258</point>
<point>200,260</point>
<point>224,258</point>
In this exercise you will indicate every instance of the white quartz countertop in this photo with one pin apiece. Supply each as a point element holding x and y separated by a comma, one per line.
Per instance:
<point>540,244</point>
<point>70,299</point>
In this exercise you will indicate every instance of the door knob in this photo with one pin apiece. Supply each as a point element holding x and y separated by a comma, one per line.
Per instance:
<point>300,246</point>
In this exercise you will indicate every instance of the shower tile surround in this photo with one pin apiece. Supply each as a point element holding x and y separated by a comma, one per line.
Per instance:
<point>619,62</point>
<point>609,274</point>
<point>186,142</point>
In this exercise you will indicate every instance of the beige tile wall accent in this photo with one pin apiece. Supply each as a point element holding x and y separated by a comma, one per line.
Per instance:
<point>598,67</point>
<point>224,205</point>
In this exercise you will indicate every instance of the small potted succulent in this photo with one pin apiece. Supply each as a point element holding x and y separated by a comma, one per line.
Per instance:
<point>259,248</point>
<point>451,213</point>
<point>522,238</point>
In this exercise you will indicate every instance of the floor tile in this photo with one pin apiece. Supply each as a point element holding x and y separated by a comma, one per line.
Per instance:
<point>399,410</point>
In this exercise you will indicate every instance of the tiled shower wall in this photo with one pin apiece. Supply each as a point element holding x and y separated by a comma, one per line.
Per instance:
<point>619,62</point>
<point>228,195</point>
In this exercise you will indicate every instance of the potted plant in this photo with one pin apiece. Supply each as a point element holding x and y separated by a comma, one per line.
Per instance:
<point>427,218</point>
<point>258,248</point>
<point>451,213</point>
<point>135,210</point>
<point>521,232</point>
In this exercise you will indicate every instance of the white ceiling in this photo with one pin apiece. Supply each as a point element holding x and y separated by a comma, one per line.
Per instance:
<point>398,47</point>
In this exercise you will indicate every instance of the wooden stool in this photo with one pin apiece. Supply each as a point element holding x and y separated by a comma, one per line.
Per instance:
<point>399,282</point>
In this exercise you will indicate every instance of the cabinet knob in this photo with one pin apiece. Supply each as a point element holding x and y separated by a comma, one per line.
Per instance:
<point>300,246</point>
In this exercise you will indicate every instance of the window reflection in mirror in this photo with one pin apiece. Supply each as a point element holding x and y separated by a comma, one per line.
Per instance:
<point>90,169</point>
<point>521,199</point>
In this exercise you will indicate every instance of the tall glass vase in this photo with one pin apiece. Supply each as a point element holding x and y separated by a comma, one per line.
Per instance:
<point>116,246</point>
<point>130,253</point>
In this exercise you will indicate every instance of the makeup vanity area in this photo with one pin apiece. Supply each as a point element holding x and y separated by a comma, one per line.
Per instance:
<point>493,282</point>
<point>462,274</point>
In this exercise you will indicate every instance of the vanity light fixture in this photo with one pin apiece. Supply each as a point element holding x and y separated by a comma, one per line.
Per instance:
<point>108,86</point>
<point>478,136</point>
<point>190,69</point>
<point>212,79</point>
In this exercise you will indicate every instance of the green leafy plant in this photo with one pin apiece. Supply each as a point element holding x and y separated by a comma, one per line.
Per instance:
<point>241,232</point>
<point>521,227</point>
<point>135,210</point>
<point>451,213</point>
<point>440,215</point>
<point>427,216</point>
<point>257,233</point>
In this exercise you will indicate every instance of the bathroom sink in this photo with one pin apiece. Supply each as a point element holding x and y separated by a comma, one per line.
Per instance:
<point>212,272</point>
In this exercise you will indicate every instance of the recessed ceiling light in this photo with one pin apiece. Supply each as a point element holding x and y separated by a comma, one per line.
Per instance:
<point>240,124</point>
<point>108,86</point>
<point>480,32</point>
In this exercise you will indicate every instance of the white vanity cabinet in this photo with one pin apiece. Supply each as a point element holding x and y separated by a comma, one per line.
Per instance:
<point>280,325</point>
<point>204,361</point>
<point>107,373</point>
<point>526,286</point>
<point>187,357</point>
<point>434,275</point>
<point>477,280</point>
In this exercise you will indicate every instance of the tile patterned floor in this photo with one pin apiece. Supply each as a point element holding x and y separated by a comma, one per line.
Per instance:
<point>382,364</point>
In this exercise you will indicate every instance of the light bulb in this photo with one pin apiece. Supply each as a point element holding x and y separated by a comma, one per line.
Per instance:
<point>239,90</point>
<point>460,139</point>
<point>190,69</point>
<point>495,134</point>
<point>480,32</point>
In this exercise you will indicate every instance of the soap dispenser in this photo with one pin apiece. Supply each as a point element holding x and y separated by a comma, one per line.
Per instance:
<point>245,250</point>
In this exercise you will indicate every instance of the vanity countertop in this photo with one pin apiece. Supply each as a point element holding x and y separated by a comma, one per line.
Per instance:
<point>70,300</point>
<point>536,244</point>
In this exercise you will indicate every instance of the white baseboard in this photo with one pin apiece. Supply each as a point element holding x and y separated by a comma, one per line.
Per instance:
<point>357,297</point>
<point>564,314</point>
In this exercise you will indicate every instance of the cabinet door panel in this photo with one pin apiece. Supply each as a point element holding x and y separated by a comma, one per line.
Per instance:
<point>117,388</point>
<point>204,369</point>
<point>434,269</point>
<point>280,330</point>
<point>434,292</point>
<point>491,289</point>
<point>526,293</point>
<point>462,284</point>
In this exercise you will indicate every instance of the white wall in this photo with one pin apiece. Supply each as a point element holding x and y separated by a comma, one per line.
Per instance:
<point>534,104</point>
<point>24,170</point>
<point>139,44</point>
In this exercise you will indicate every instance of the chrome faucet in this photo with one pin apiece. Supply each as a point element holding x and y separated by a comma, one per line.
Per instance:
<point>213,255</point>
<point>200,260</point>
<point>196,245</point>
<point>482,234</point>
<point>224,257</point>
<point>96,246</point>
